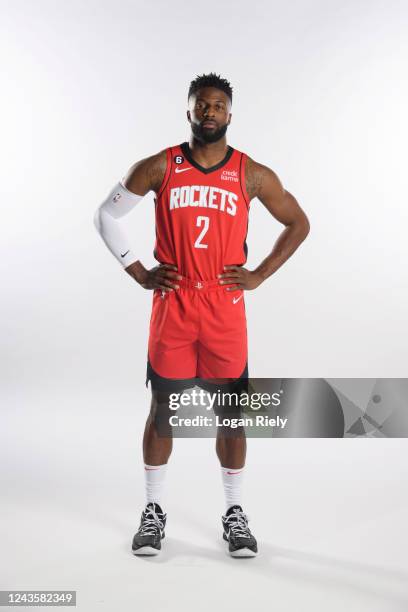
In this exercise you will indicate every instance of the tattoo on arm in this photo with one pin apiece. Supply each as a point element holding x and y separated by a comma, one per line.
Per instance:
<point>147,174</point>
<point>253,178</point>
<point>156,171</point>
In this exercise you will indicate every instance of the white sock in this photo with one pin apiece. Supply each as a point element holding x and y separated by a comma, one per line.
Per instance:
<point>154,482</point>
<point>232,481</point>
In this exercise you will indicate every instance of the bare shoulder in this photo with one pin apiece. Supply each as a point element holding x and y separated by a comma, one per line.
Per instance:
<point>261,180</point>
<point>147,174</point>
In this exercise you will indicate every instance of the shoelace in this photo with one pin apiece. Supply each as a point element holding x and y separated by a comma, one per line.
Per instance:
<point>150,523</point>
<point>238,523</point>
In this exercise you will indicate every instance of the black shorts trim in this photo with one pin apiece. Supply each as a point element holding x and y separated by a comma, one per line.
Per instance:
<point>160,383</point>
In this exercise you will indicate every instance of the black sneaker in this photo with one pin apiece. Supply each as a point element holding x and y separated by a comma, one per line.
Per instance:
<point>147,541</point>
<point>241,542</point>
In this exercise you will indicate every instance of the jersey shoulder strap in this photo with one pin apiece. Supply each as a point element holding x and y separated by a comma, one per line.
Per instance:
<point>172,153</point>
<point>242,161</point>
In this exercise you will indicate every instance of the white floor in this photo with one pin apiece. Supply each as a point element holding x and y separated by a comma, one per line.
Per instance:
<point>329,515</point>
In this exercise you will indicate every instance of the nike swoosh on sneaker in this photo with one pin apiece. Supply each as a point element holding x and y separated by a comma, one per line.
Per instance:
<point>178,170</point>
<point>235,300</point>
<point>124,254</point>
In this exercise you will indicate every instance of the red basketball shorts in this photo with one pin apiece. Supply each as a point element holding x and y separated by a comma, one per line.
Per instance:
<point>198,331</point>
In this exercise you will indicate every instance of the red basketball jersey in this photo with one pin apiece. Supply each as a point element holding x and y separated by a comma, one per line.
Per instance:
<point>202,214</point>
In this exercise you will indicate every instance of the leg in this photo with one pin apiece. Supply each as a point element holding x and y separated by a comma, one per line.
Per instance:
<point>223,360</point>
<point>231,442</point>
<point>166,325</point>
<point>231,451</point>
<point>231,447</point>
<point>157,447</point>
<point>157,438</point>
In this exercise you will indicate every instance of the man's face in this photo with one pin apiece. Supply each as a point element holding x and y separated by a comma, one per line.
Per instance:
<point>211,105</point>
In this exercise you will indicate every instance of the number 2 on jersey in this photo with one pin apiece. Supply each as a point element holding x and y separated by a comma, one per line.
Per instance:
<point>206,222</point>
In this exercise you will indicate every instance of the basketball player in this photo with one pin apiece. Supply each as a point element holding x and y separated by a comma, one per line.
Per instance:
<point>198,336</point>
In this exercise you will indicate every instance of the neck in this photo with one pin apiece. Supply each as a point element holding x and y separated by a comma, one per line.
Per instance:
<point>208,152</point>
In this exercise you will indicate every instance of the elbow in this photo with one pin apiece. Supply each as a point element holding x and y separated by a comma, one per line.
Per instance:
<point>304,227</point>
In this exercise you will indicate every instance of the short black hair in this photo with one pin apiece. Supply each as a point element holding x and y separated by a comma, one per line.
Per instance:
<point>210,80</point>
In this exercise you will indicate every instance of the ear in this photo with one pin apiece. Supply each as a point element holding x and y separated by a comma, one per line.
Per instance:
<point>188,116</point>
<point>229,120</point>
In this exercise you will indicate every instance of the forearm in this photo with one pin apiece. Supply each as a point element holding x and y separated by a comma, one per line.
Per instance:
<point>137,271</point>
<point>107,222</point>
<point>287,243</point>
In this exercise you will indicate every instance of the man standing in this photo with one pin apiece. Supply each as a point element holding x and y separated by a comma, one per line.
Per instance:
<point>198,332</point>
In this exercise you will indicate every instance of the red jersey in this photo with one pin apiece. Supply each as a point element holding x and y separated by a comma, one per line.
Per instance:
<point>202,214</point>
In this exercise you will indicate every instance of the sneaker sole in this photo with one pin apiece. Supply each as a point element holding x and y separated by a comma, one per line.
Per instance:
<point>241,552</point>
<point>146,550</point>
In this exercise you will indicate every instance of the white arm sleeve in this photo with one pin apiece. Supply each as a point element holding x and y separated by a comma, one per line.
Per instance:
<point>119,202</point>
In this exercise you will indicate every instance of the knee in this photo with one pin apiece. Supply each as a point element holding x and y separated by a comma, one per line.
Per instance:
<point>160,412</point>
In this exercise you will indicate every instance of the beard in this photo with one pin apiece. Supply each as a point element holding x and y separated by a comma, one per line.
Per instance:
<point>207,134</point>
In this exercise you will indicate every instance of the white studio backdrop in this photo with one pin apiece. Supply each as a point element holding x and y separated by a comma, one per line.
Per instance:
<point>320,96</point>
